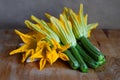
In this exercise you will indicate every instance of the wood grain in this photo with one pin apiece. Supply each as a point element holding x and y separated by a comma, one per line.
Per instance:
<point>11,68</point>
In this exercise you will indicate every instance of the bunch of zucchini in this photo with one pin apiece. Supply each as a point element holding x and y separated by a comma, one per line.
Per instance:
<point>72,29</point>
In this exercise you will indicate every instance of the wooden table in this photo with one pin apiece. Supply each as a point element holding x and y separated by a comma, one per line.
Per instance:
<point>11,68</point>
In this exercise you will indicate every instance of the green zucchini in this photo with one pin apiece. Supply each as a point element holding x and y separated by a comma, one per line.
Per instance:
<point>103,61</point>
<point>88,60</point>
<point>92,50</point>
<point>83,66</point>
<point>72,61</point>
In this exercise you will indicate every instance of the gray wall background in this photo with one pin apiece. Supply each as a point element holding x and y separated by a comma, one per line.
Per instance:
<point>14,12</point>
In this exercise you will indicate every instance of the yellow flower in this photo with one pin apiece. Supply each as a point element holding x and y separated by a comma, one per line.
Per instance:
<point>37,35</point>
<point>79,23</point>
<point>41,45</point>
<point>51,55</point>
<point>47,53</point>
<point>27,54</point>
<point>60,50</point>
<point>30,43</point>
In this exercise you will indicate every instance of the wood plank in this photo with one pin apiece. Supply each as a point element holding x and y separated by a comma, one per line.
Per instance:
<point>104,42</point>
<point>111,70</point>
<point>31,71</point>
<point>114,37</point>
<point>114,34</point>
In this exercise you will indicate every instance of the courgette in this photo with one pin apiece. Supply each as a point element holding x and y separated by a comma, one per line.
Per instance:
<point>88,60</point>
<point>92,50</point>
<point>103,61</point>
<point>72,61</point>
<point>83,66</point>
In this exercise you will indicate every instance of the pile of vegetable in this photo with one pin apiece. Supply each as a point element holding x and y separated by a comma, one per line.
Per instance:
<point>66,37</point>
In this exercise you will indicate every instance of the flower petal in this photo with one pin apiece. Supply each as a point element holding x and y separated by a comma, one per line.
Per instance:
<point>63,57</point>
<point>42,63</point>
<point>37,54</point>
<point>52,56</point>
<point>48,47</point>
<point>27,54</point>
<point>65,47</point>
<point>26,38</point>
<point>19,50</point>
<point>39,36</point>
<point>85,19</point>
<point>40,45</point>
<point>55,44</point>
<point>90,27</point>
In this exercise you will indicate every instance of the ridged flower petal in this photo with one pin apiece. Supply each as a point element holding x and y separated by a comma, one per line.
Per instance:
<point>42,63</point>
<point>52,56</point>
<point>63,56</point>
<point>25,38</point>
<point>20,49</point>
<point>27,54</point>
<point>37,54</point>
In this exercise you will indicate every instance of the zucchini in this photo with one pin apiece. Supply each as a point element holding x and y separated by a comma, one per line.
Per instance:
<point>92,50</point>
<point>103,61</point>
<point>83,66</point>
<point>88,60</point>
<point>72,61</point>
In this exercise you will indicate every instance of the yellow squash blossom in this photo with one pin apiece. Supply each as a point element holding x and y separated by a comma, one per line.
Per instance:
<point>36,47</point>
<point>79,23</point>
<point>60,49</point>
<point>28,46</point>
<point>49,53</point>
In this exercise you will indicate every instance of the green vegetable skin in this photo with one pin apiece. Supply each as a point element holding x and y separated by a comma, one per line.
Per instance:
<point>91,49</point>
<point>89,61</point>
<point>83,66</point>
<point>72,61</point>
